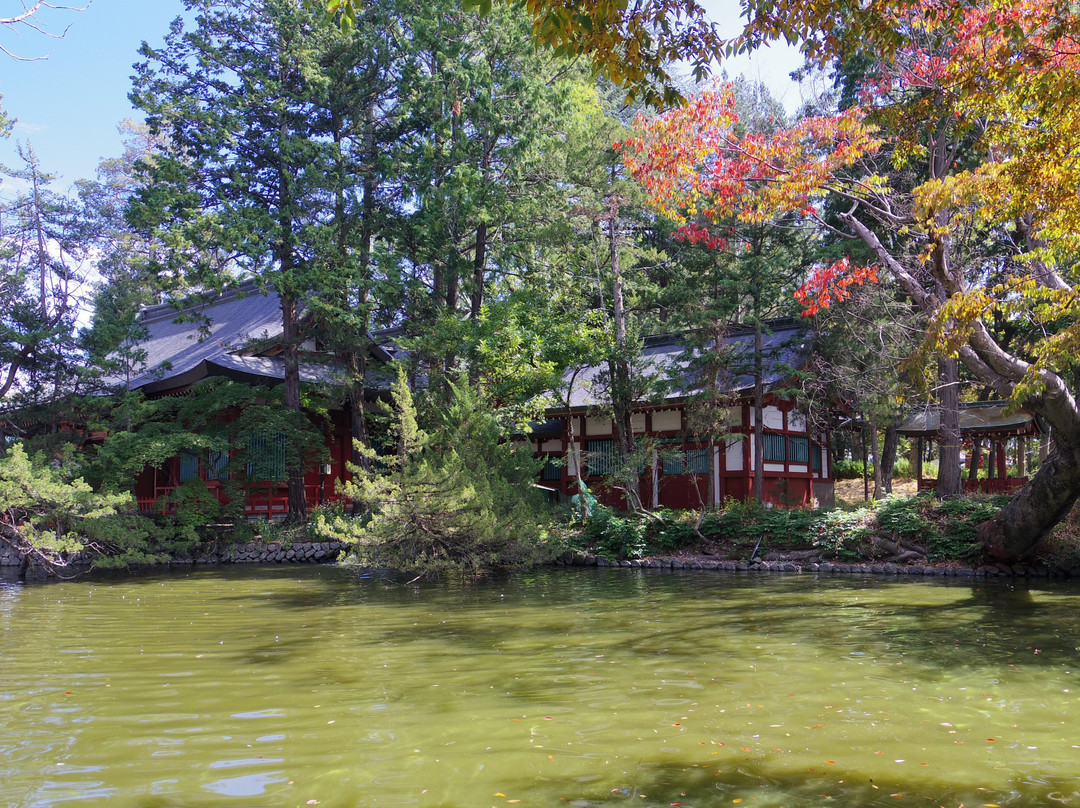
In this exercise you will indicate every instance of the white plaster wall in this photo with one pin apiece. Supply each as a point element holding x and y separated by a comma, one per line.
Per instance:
<point>573,457</point>
<point>796,421</point>
<point>551,446</point>
<point>597,426</point>
<point>734,456</point>
<point>716,475</point>
<point>773,418</point>
<point>663,420</point>
<point>637,422</point>
<point>774,467</point>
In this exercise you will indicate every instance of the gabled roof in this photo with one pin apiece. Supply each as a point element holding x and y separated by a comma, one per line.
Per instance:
<point>215,338</point>
<point>785,344</point>
<point>977,418</point>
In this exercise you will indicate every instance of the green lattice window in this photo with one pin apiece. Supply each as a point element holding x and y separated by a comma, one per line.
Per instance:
<point>815,458</point>
<point>697,461</point>
<point>266,457</point>
<point>189,466</point>
<point>775,448</point>
<point>599,457</point>
<point>217,465</point>
<point>552,470</point>
<point>798,450</point>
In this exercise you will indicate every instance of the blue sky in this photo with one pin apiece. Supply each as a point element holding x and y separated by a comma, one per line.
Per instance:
<point>69,104</point>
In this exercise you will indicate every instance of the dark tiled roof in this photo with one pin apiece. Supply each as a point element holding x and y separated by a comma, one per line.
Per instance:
<point>213,339</point>
<point>785,345</point>
<point>175,350</point>
<point>977,417</point>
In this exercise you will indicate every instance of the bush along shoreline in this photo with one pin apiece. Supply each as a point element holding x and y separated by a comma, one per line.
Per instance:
<point>915,535</point>
<point>900,535</point>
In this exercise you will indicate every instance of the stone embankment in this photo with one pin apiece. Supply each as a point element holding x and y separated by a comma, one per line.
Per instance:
<point>823,567</point>
<point>317,552</point>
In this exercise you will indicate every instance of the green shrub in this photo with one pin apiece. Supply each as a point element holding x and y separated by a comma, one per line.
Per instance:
<point>456,499</point>
<point>614,537</point>
<point>849,469</point>
<point>905,518</point>
<point>902,469</point>
<point>963,515</point>
<point>842,534</point>
<point>748,525</point>
<point>674,533</point>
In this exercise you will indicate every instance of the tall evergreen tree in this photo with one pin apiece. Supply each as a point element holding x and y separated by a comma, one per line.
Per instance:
<point>43,257</point>
<point>241,189</point>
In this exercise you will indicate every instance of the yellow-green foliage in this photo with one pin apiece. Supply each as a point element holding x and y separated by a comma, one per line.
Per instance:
<point>456,499</point>
<point>48,510</point>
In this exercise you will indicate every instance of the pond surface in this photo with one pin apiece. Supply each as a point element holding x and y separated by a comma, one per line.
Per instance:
<point>289,685</point>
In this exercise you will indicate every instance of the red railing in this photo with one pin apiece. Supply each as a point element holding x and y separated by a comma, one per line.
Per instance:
<point>261,502</point>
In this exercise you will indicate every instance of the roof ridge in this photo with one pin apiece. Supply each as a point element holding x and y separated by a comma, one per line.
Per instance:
<point>214,297</point>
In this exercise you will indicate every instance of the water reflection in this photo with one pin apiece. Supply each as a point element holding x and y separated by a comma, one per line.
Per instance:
<point>280,686</point>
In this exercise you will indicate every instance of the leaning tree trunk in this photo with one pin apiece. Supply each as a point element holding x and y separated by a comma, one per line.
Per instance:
<point>1036,508</point>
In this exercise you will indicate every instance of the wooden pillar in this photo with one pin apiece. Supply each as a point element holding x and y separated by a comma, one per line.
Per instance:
<point>975,458</point>
<point>1021,456</point>
<point>918,462</point>
<point>1002,461</point>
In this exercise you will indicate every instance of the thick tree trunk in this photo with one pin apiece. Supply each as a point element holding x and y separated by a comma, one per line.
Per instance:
<point>875,460</point>
<point>622,396</point>
<point>1036,508</point>
<point>950,482</point>
<point>888,456</point>
<point>357,362</point>
<point>759,414</point>
<point>295,456</point>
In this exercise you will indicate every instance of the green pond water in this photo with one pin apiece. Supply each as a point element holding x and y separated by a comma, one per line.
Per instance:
<point>289,685</point>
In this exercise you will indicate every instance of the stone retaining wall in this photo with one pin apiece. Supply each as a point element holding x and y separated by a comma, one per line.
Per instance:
<point>316,552</point>
<point>825,567</point>
<point>249,553</point>
<point>8,556</point>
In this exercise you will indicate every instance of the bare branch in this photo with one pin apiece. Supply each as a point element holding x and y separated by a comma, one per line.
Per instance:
<point>27,18</point>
